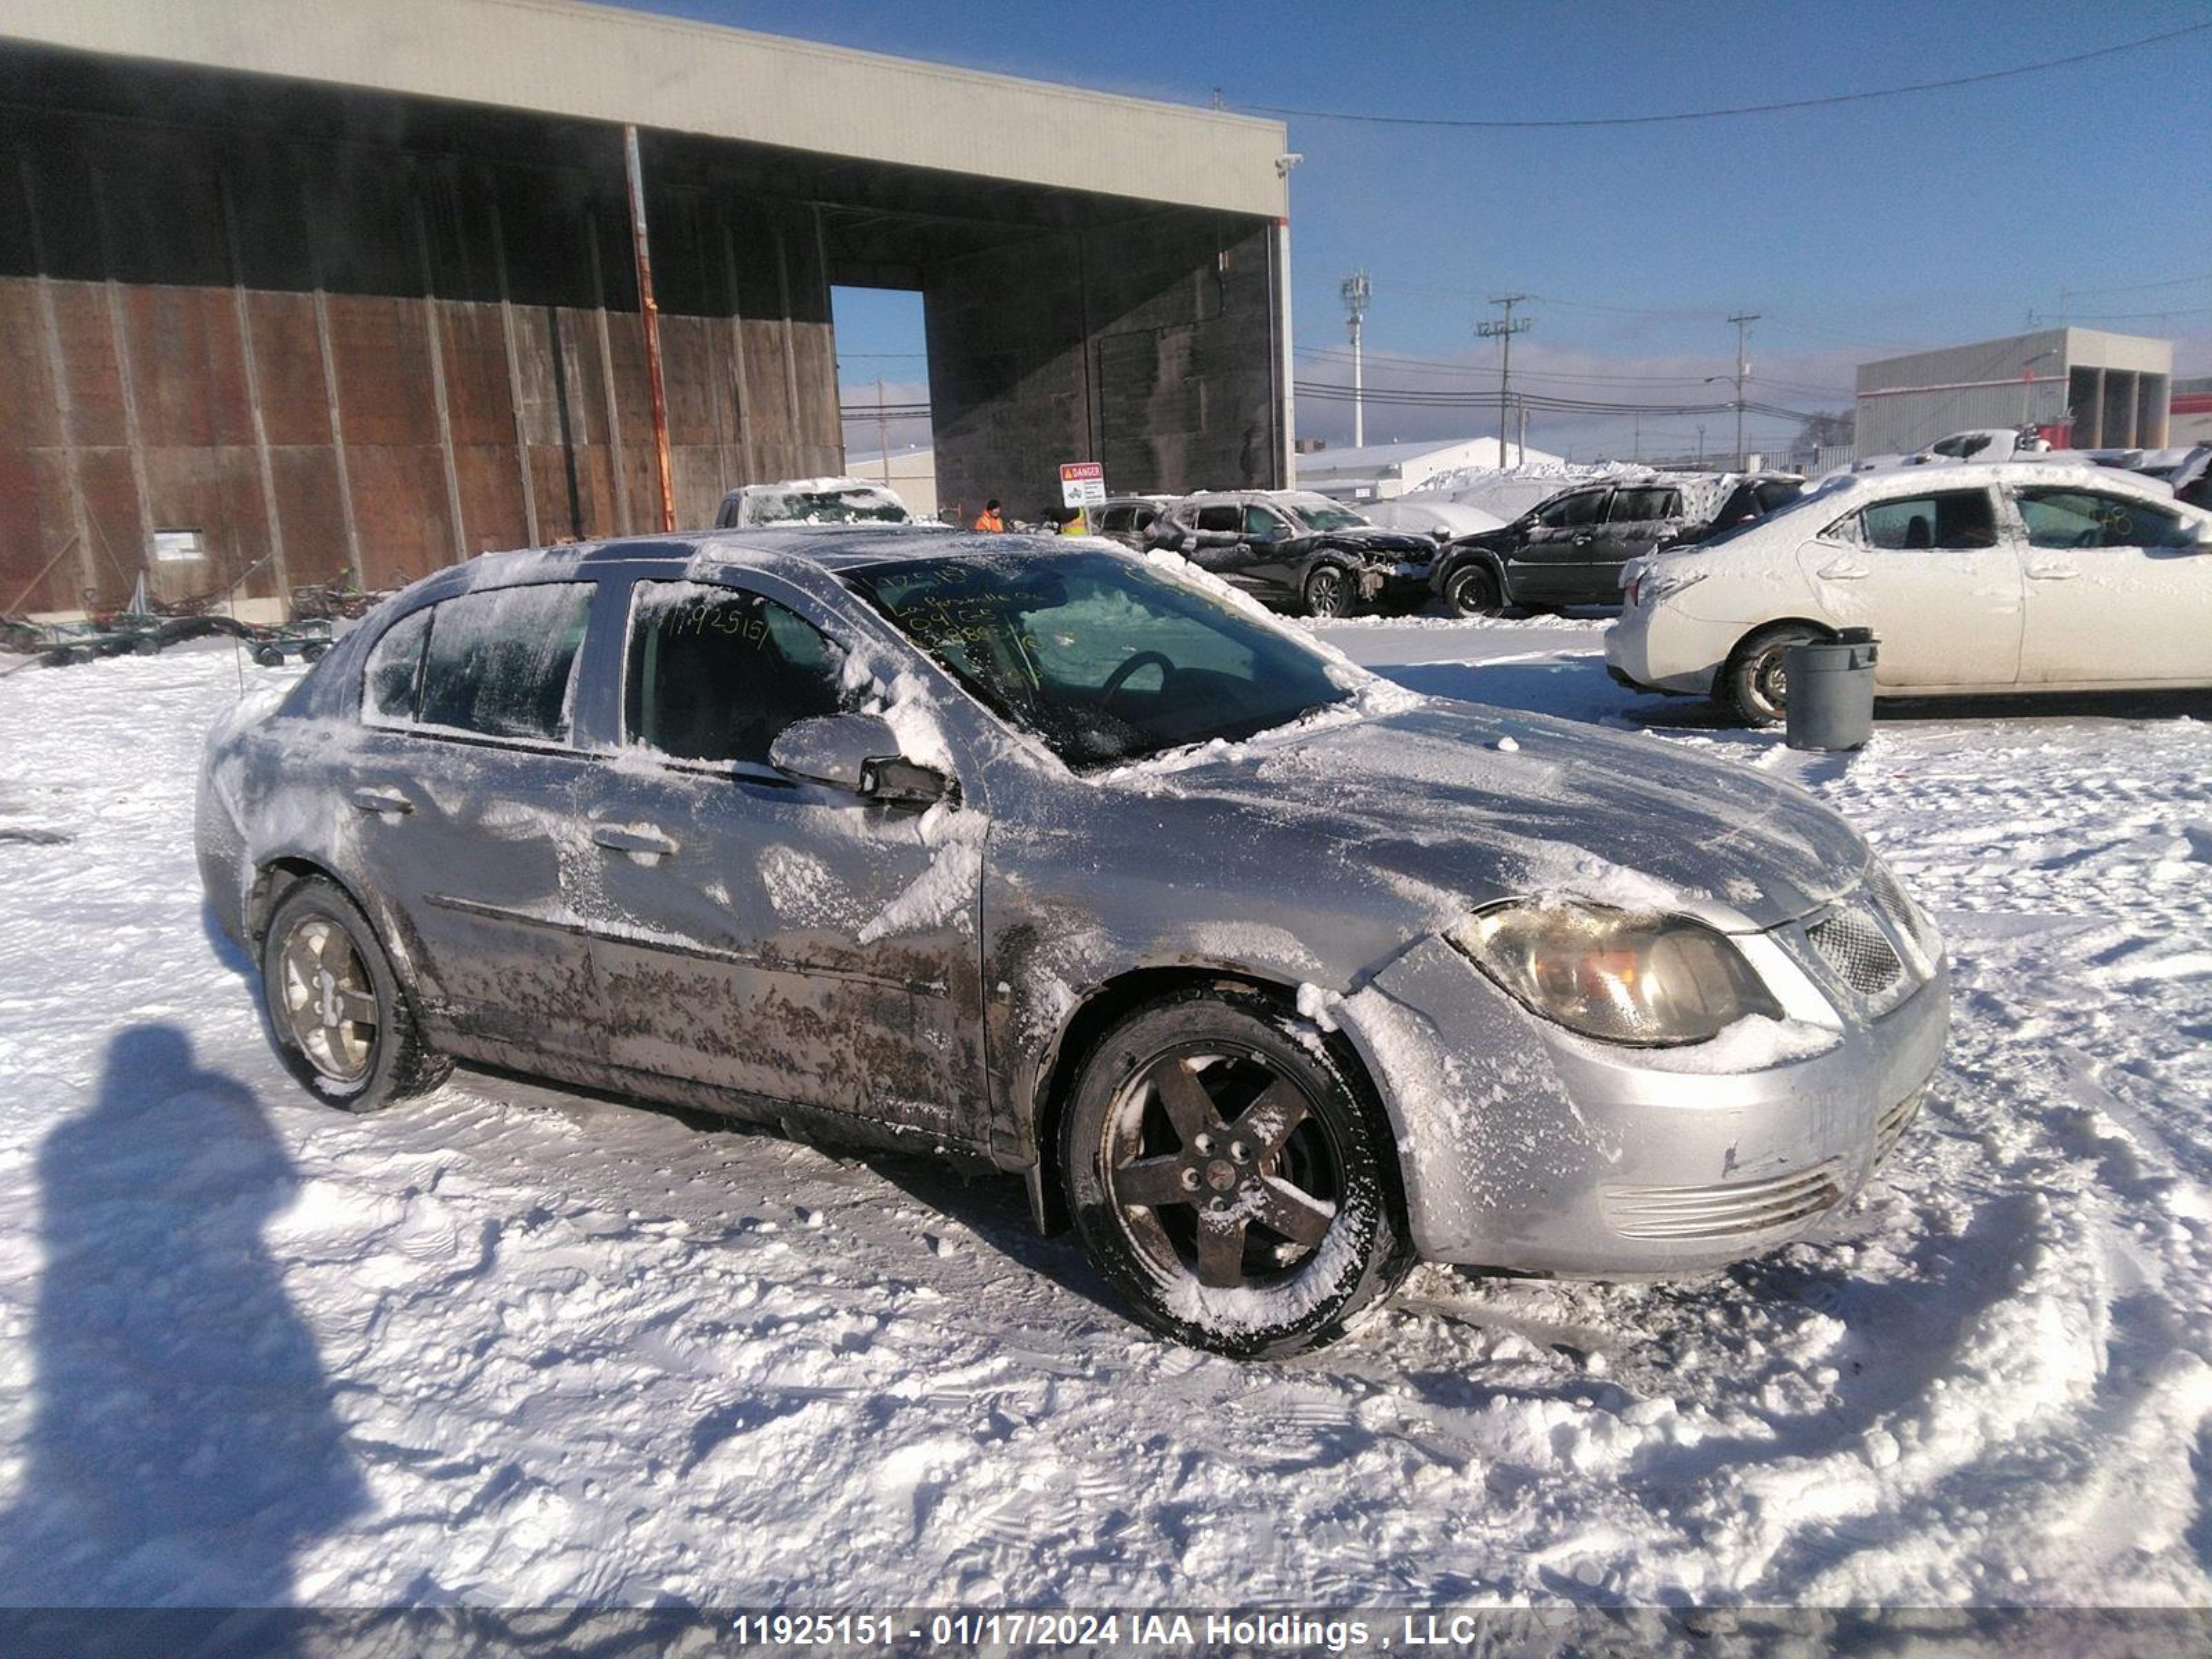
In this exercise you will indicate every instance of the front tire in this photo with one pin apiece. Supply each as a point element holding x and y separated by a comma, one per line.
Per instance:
<point>1328,592</point>
<point>1473,590</point>
<point>341,1023</point>
<point>1753,685</point>
<point>1228,1180</point>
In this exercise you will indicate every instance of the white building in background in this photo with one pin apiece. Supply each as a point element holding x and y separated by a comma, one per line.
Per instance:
<point>2084,388</point>
<point>1381,472</point>
<point>912,473</point>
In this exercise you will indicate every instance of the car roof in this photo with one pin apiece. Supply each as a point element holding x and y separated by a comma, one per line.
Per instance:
<point>1974,475</point>
<point>837,547</point>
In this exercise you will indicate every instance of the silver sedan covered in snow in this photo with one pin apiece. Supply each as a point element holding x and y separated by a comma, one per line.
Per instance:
<point>1270,977</point>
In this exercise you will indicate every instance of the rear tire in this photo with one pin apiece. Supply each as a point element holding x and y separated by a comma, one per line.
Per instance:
<point>1229,1180</point>
<point>269,657</point>
<point>1473,590</point>
<point>339,1018</point>
<point>1753,685</point>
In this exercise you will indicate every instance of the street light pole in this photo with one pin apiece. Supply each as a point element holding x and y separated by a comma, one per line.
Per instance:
<point>2027,386</point>
<point>1742,320</point>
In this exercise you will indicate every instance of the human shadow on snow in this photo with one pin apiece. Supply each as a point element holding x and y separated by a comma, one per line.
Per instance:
<point>184,1447</point>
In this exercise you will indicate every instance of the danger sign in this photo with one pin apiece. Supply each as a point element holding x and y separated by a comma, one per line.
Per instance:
<point>1082,483</point>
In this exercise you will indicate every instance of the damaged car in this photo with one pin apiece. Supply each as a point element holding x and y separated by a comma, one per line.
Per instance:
<point>1269,977</point>
<point>1298,550</point>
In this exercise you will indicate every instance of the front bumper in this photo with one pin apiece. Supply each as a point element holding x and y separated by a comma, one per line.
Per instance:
<point>1528,1149</point>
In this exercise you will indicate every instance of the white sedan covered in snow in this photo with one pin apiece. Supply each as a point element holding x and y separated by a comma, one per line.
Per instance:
<point>2017,577</point>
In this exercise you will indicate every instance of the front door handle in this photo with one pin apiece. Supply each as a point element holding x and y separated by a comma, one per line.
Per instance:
<point>1844,570</point>
<point>2054,573</point>
<point>1584,539</point>
<point>384,803</point>
<point>640,842</point>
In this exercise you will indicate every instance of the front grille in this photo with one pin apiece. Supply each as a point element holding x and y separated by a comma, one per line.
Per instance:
<point>1728,1211</point>
<point>1895,1122</point>
<point>1859,951</point>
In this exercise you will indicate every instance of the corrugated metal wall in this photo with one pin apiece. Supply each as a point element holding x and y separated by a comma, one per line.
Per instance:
<point>332,357</point>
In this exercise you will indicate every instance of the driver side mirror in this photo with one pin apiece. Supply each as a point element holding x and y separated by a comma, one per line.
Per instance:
<point>860,754</point>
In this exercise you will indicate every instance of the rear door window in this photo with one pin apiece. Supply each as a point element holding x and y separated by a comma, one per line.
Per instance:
<point>1583,507</point>
<point>1228,517</point>
<point>502,663</point>
<point>716,673</point>
<point>1956,518</point>
<point>1644,506</point>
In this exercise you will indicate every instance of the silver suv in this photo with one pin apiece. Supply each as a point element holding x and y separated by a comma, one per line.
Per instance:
<point>1270,977</point>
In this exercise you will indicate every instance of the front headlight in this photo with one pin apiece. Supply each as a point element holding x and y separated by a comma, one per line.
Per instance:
<point>1614,975</point>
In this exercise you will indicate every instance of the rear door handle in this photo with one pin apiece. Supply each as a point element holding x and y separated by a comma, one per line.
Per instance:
<point>384,803</point>
<point>1844,570</point>
<point>640,843</point>
<point>2054,573</point>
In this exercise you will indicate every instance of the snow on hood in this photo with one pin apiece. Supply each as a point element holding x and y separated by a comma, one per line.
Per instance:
<point>1461,806</point>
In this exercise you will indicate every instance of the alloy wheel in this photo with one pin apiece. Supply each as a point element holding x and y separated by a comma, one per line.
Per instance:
<point>1219,1169</point>
<point>327,1000</point>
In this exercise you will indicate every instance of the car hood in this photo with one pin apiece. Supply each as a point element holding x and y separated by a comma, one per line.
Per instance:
<point>1391,543</point>
<point>1461,806</point>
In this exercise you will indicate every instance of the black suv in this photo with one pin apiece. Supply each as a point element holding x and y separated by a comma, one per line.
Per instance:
<point>1296,549</point>
<point>1569,550</point>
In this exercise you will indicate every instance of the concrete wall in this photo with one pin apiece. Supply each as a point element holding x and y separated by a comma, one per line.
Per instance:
<point>1148,346</point>
<point>348,357</point>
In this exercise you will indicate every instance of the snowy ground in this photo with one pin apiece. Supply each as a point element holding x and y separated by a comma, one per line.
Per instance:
<point>513,1345</point>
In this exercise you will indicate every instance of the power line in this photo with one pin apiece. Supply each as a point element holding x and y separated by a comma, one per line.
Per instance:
<point>2141,287</point>
<point>1983,78</point>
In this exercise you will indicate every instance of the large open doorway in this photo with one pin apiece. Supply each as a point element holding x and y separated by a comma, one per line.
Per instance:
<point>883,391</point>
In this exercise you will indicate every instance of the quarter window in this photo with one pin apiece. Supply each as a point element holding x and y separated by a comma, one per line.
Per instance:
<point>395,668</point>
<point>502,663</point>
<point>1957,518</point>
<point>716,673</point>
<point>2082,518</point>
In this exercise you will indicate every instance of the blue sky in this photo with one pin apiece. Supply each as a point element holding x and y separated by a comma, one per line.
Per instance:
<point>1857,231</point>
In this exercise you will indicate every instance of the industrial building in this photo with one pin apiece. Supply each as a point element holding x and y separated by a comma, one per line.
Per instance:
<point>2086,388</point>
<point>293,291</point>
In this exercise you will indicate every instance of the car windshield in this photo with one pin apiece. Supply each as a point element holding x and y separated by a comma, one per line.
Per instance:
<point>1326,515</point>
<point>1101,659</point>
<point>826,506</point>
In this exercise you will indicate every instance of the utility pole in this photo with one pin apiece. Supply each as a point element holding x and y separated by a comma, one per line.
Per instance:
<point>1504,331</point>
<point>882,432</point>
<point>1356,289</point>
<point>1743,321</point>
<point>1701,445</point>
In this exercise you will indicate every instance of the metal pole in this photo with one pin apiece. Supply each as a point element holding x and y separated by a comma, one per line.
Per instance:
<point>1356,289</point>
<point>652,312</point>
<point>1742,321</point>
<point>882,432</point>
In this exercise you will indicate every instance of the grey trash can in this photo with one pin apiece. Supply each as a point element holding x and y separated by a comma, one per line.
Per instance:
<point>1831,690</point>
